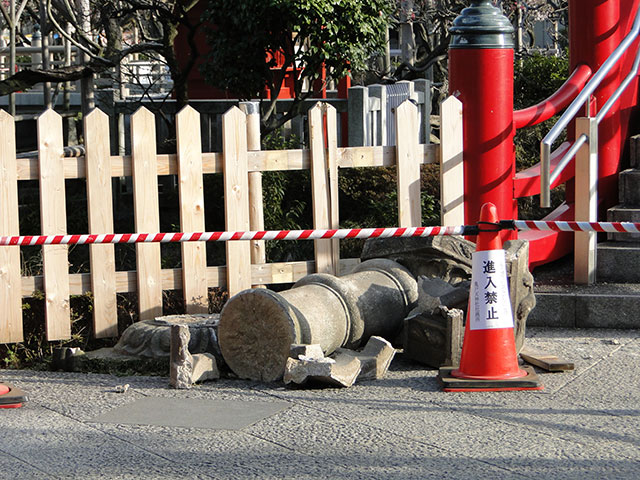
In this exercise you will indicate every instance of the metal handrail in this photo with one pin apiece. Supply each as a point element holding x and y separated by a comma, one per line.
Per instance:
<point>546,178</point>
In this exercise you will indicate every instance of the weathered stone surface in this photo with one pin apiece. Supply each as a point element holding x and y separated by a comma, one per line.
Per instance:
<point>258,326</point>
<point>445,257</point>
<point>434,292</point>
<point>181,366</point>
<point>205,367</point>
<point>339,370</point>
<point>523,298</point>
<point>152,338</point>
<point>306,352</point>
<point>375,358</point>
<point>449,258</point>
<point>435,339</point>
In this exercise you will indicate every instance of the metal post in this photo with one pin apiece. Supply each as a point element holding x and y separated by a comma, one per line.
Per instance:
<point>44,25</point>
<point>88,99</point>
<point>12,54</point>
<point>481,76</point>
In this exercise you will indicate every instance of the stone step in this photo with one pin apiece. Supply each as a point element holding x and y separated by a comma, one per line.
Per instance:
<point>618,262</point>
<point>629,187</point>
<point>595,306</point>
<point>621,213</point>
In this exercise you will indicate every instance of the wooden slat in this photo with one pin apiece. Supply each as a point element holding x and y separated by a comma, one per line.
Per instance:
<point>53,220</point>
<point>10,282</point>
<point>451,166</point>
<point>586,192</point>
<point>408,164</point>
<point>262,161</point>
<point>236,198</point>
<point>547,361</point>
<point>100,206</point>
<point>256,202</point>
<point>146,212</point>
<point>320,191</point>
<point>191,193</point>
<point>126,282</point>
<point>334,190</point>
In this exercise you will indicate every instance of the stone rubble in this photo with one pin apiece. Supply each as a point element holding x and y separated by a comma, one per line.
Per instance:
<point>375,358</point>
<point>187,369</point>
<point>340,370</point>
<point>434,339</point>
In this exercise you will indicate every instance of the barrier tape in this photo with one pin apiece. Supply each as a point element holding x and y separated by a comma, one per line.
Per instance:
<point>610,227</point>
<point>231,236</point>
<point>362,233</point>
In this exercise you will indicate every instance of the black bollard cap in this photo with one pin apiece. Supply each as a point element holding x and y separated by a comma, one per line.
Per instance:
<point>481,25</point>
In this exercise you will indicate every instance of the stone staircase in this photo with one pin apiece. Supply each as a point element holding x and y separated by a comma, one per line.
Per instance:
<point>614,301</point>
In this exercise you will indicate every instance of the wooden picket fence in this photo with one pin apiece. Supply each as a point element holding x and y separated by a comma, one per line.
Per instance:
<point>240,162</point>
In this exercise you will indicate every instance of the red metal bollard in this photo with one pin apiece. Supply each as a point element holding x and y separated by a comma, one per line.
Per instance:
<point>481,76</point>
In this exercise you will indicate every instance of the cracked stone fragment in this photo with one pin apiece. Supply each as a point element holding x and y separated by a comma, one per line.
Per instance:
<point>181,360</point>
<point>340,371</point>
<point>309,352</point>
<point>205,367</point>
<point>436,339</point>
<point>375,358</point>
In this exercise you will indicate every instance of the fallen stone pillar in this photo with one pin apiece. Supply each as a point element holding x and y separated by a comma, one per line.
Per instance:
<point>450,258</point>
<point>258,326</point>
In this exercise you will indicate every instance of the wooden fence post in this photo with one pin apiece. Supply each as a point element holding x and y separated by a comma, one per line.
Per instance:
<point>10,281</point>
<point>256,212</point>
<point>100,209</point>
<point>191,194</point>
<point>408,165</point>
<point>586,184</point>
<point>236,198</point>
<point>451,166</point>
<point>144,165</point>
<point>324,185</point>
<point>53,220</point>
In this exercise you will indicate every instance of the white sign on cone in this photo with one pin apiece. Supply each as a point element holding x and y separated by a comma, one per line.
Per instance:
<point>490,305</point>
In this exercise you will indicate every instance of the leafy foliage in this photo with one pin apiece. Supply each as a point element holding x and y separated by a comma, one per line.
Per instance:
<point>536,78</point>
<point>255,42</point>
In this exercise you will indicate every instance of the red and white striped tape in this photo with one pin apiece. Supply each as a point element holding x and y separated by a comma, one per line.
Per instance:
<point>24,240</point>
<point>229,236</point>
<point>558,226</point>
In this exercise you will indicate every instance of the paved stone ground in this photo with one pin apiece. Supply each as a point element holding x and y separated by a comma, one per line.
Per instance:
<point>585,424</point>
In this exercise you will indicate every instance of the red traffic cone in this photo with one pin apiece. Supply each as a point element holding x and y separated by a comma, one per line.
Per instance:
<point>11,397</point>
<point>489,361</point>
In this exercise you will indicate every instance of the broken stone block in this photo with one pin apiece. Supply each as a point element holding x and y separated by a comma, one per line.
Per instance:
<point>433,292</point>
<point>446,257</point>
<point>205,367</point>
<point>375,358</point>
<point>523,299</point>
<point>435,340</point>
<point>181,366</point>
<point>306,352</point>
<point>340,371</point>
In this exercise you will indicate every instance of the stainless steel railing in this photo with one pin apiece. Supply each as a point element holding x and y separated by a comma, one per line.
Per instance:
<point>546,177</point>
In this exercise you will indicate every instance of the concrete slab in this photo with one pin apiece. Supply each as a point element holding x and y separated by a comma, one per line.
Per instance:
<point>608,306</point>
<point>191,413</point>
<point>618,262</point>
